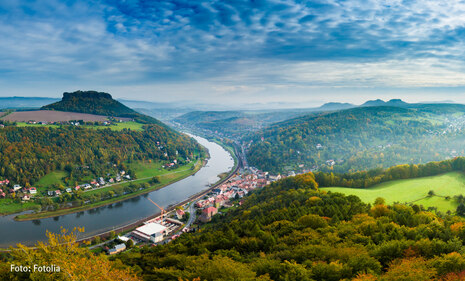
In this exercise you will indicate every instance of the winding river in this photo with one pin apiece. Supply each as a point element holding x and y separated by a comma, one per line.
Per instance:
<point>122,213</point>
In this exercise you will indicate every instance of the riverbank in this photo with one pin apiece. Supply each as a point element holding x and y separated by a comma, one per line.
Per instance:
<point>226,176</point>
<point>49,214</point>
<point>114,216</point>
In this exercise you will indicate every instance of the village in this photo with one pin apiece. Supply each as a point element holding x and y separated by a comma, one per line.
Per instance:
<point>191,216</point>
<point>8,189</point>
<point>27,193</point>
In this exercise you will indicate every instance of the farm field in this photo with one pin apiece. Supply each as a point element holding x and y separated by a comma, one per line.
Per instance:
<point>413,190</point>
<point>54,116</point>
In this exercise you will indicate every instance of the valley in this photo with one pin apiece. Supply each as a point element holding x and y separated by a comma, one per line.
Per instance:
<point>263,140</point>
<point>404,173</point>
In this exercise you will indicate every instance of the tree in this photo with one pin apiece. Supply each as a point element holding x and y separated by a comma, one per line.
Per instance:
<point>380,201</point>
<point>97,240</point>
<point>460,210</point>
<point>129,244</point>
<point>410,269</point>
<point>69,261</point>
<point>155,180</point>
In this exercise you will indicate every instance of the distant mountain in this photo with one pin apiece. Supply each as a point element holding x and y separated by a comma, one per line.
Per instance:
<point>335,106</point>
<point>235,123</point>
<point>99,103</point>
<point>25,102</point>
<point>393,102</point>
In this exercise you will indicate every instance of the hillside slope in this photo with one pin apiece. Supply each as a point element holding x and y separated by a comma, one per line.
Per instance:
<point>234,124</point>
<point>30,153</point>
<point>290,231</point>
<point>361,138</point>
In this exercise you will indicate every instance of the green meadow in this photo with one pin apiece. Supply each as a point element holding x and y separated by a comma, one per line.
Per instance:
<point>413,191</point>
<point>115,127</point>
<point>55,177</point>
<point>24,124</point>
<point>131,125</point>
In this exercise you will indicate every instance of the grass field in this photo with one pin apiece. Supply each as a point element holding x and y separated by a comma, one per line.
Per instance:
<point>116,127</point>
<point>147,169</point>
<point>8,206</point>
<point>52,178</point>
<point>406,191</point>
<point>120,126</point>
<point>24,124</point>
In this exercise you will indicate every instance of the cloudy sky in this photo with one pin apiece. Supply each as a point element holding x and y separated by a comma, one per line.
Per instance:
<point>279,53</point>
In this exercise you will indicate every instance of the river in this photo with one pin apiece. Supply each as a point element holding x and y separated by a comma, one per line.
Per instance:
<point>119,214</point>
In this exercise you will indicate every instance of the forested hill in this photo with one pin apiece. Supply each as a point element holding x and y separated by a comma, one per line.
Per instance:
<point>99,103</point>
<point>289,231</point>
<point>361,138</point>
<point>30,153</point>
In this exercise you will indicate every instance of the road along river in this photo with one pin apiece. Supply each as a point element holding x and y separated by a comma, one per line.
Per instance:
<point>119,214</point>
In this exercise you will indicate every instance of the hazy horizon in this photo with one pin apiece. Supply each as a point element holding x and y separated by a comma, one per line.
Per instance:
<point>267,53</point>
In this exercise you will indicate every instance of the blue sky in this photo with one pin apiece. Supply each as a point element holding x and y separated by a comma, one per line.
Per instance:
<point>280,53</point>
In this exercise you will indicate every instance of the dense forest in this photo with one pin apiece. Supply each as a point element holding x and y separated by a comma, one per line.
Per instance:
<point>29,153</point>
<point>98,103</point>
<point>291,231</point>
<point>360,138</point>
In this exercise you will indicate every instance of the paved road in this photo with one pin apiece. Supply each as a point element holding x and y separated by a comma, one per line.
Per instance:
<point>192,212</point>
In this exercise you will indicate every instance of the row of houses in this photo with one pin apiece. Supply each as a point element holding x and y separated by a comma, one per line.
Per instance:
<point>237,187</point>
<point>28,192</point>
<point>93,184</point>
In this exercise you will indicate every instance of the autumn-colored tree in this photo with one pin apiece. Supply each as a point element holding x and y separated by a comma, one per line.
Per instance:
<point>379,211</point>
<point>69,261</point>
<point>409,269</point>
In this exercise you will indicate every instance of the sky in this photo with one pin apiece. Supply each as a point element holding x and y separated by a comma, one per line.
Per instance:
<point>235,53</point>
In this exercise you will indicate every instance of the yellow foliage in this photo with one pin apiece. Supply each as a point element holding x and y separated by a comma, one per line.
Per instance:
<point>379,211</point>
<point>457,227</point>
<point>69,261</point>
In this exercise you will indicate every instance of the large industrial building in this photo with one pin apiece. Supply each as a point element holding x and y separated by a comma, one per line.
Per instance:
<point>153,232</point>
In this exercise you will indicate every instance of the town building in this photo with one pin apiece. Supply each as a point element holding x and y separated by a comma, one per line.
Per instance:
<point>118,248</point>
<point>208,213</point>
<point>179,214</point>
<point>151,232</point>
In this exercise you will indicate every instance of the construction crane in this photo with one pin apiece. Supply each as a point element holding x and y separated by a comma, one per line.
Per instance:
<point>162,210</point>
